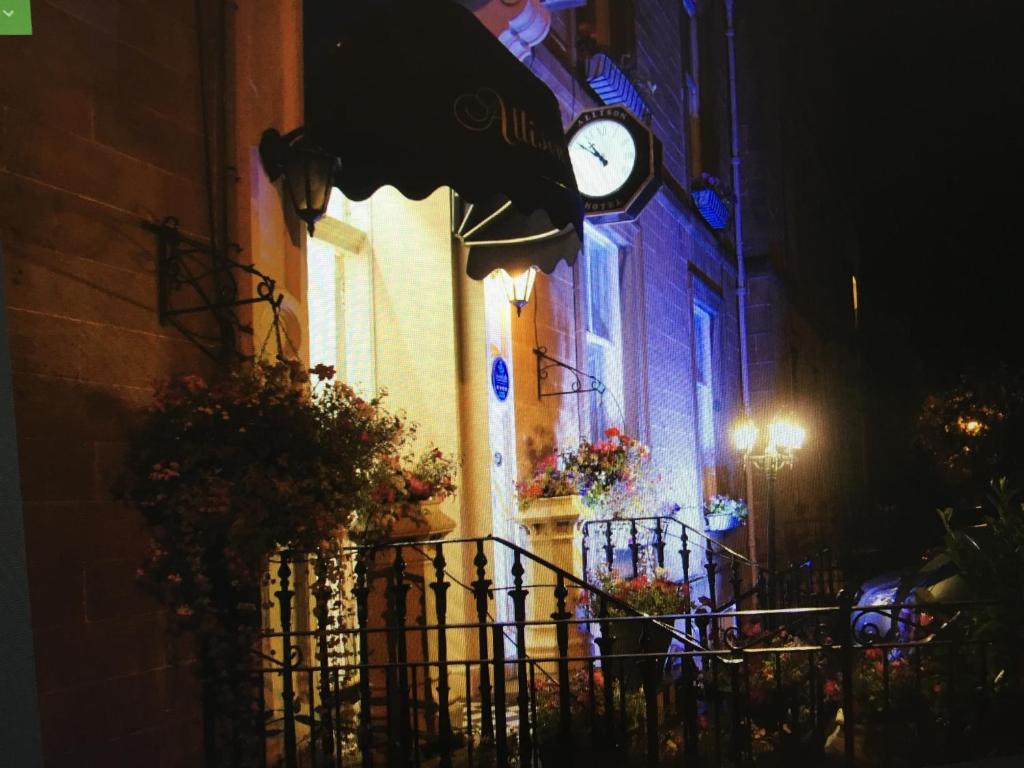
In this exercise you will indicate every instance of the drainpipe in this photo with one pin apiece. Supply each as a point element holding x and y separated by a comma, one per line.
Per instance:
<point>741,269</point>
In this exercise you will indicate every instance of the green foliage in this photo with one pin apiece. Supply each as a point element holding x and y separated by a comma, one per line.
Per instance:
<point>726,505</point>
<point>992,559</point>
<point>974,430</point>
<point>655,596</point>
<point>226,473</point>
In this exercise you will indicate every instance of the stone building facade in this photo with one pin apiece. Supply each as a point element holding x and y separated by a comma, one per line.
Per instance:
<point>803,254</point>
<point>133,111</point>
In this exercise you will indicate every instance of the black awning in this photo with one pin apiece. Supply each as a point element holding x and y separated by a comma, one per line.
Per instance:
<point>500,237</point>
<point>418,94</point>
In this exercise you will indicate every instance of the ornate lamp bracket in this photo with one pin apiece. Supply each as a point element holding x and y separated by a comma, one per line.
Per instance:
<point>581,382</point>
<point>769,463</point>
<point>195,277</point>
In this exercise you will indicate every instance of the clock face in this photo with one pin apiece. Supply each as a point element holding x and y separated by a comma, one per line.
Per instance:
<point>603,155</point>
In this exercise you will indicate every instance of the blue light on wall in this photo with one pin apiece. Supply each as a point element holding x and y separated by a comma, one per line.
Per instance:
<point>613,86</point>
<point>712,207</point>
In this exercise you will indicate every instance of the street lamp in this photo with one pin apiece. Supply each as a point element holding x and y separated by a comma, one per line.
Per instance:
<point>785,438</point>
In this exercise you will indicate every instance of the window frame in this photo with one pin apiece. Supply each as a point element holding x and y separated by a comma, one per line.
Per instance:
<point>707,299</point>
<point>611,347</point>
<point>342,231</point>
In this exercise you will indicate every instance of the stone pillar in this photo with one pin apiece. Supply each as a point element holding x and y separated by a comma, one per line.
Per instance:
<point>553,533</point>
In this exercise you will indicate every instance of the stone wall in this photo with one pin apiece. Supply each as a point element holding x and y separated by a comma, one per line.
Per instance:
<point>100,130</point>
<point>802,249</point>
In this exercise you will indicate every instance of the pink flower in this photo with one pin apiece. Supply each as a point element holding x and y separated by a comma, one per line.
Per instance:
<point>184,610</point>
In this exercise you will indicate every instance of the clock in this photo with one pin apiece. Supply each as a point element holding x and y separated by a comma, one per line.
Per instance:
<point>617,163</point>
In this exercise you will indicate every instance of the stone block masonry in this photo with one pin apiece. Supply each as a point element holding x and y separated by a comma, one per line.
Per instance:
<point>100,131</point>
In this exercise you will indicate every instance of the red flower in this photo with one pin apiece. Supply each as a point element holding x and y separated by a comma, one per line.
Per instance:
<point>873,654</point>
<point>611,432</point>
<point>420,490</point>
<point>831,690</point>
<point>703,723</point>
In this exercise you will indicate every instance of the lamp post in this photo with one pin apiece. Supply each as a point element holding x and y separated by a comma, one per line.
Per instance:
<point>785,438</point>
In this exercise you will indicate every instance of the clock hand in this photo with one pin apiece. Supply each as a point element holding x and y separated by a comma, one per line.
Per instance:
<point>594,151</point>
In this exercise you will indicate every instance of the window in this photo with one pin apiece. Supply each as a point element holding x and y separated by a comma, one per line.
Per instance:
<point>608,26</point>
<point>602,332</point>
<point>340,294</point>
<point>706,383</point>
<point>703,331</point>
<point>691,77</point>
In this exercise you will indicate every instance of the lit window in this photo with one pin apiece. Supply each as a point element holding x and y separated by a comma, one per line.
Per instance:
<point>704,381</point>
<point>340,294</point>
<point>603,344</point>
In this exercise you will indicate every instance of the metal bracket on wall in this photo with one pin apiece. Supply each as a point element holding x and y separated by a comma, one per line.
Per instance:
<point>194,277</point>
<point>582,382</point>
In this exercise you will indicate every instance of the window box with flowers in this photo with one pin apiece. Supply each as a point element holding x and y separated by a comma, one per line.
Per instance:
<point>722,513</point>
<point>711,199</point>
<point>655,596</point>
<point>604,475</point>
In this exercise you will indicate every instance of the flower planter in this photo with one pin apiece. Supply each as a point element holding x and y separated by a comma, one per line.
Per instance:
<point>613,86</point>
<point>712,207</point>
<point>720,522</point>
<point>634,637</point>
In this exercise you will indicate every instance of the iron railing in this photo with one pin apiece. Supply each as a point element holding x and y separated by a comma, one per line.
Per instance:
<point>382,664</point>
<point>665,541</point>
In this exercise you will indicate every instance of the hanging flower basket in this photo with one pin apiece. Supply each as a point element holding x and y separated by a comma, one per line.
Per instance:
<point>721,521</point>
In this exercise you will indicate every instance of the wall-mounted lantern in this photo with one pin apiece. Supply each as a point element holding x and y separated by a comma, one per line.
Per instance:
<point>518,287</point>
<point>309,172</point>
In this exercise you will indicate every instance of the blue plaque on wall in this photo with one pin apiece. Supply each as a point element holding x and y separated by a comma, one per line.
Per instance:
<point>499,378</point>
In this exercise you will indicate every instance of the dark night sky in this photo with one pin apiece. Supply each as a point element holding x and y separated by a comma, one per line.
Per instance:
<point>921,104</point>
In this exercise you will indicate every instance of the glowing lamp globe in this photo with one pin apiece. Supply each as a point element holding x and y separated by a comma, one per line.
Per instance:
<point>744,436</point>
<point>519,287</point>
<point>786,435</point>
